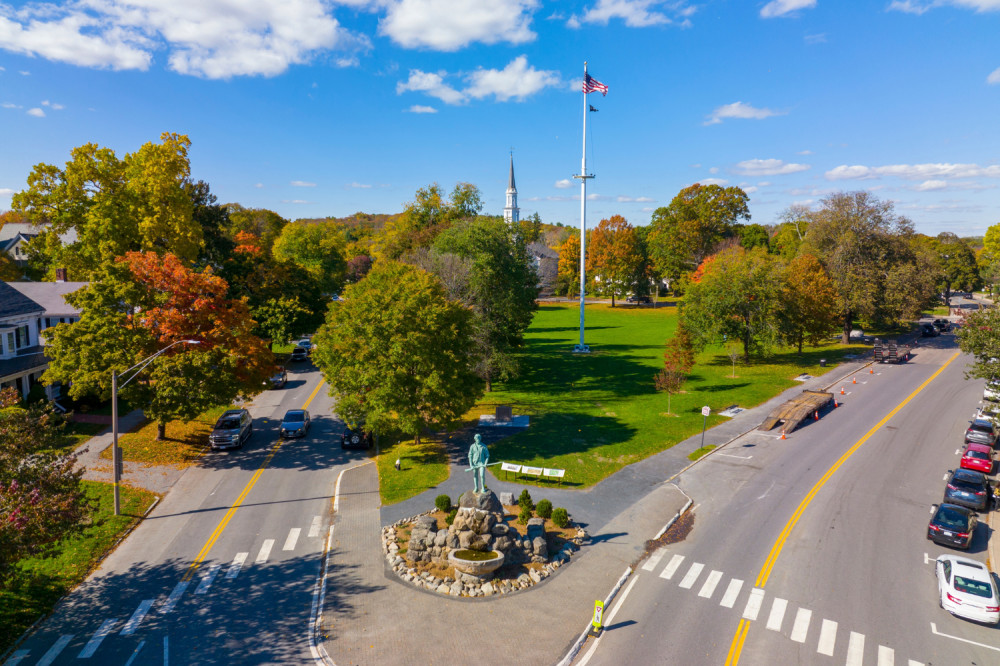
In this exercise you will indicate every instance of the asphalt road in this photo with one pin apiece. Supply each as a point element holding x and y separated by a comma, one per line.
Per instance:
<point>200,582</point>
<point>853,581</point>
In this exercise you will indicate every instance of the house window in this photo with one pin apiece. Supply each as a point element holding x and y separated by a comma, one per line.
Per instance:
<point>21,337</point>
<point>10,343</point>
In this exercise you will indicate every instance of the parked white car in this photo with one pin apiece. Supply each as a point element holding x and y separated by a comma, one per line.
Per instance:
<point>992,391</point>
<point>966,589</point>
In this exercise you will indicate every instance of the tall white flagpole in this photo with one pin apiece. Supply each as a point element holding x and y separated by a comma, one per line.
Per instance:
<point>581,347</point>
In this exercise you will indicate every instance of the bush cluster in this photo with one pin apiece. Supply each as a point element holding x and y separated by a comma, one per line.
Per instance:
<point>560,517</point>
<point>544,509</point>
<point>443,503</point>
<point>450,518</point>
<point>524,516</point>
<point>525,500</point>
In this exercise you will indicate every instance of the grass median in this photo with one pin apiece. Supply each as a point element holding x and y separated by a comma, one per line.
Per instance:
<point>39,582</point>
<point>184,443</point>
<point>422,466</point>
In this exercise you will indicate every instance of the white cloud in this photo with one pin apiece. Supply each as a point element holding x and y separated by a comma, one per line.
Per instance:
<point>931,186</point>
<point>739,110</point>
<point>6,191</point>
<point>564,183</point>
<point>713,170</point>
<point>259,186</point>
<point>914,171</point>
<point>419,108</point>
<point>819,38</point>
<point>359,186</point>
<point>750,189</point>
<point>53,106</point>
<point>10,105</point>
<point>771,167</point>
<point>994,77</point>
<point>36,112</point>
<point>302,183</point>
<point>804,152</point>
<point>783,7</point>
<point>713,181</point>
<point>628,199</point>
<point>295,201</point>
<point>448,25</point>
<point>215,39</point>
<point>432,84</point>
<point>635,13</point>
<point>517,80</point>
<point>920,7</point>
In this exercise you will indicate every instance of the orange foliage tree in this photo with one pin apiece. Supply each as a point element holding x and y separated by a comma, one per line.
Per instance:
<point>614,256</point>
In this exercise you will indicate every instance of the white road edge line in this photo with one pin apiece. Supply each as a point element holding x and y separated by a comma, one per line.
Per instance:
<point>56,648</point>
<point>135,653</point>
<point>318,650</point>
<point>95,641</point>
<point>730,455</point>
<point>166,651</point>
<point>964,640</point>
<point>607,621</point>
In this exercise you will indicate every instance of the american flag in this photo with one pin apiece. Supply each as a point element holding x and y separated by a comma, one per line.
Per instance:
<point>590,84</point>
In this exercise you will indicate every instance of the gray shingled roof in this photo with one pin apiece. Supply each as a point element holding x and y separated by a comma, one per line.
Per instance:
<point>50,295</point>
<point>13,303</point>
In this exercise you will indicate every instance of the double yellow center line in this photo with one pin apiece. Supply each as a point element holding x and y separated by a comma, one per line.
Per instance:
<point>736,647</point>
<point>203,553</point>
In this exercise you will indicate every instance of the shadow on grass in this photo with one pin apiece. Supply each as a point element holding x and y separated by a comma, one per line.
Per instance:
<point>809,358</point>
<point>612,370</point>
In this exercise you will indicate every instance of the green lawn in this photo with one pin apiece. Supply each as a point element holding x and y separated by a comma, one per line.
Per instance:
<point>592,414</point>
<point>421,467</point>
<point>184,443</point>
<point>41,581</point>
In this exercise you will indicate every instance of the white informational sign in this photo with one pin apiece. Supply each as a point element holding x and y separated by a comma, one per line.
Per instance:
<point>706,410</point>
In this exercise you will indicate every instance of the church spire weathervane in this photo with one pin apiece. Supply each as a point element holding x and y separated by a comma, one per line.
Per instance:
<point>511,213</point>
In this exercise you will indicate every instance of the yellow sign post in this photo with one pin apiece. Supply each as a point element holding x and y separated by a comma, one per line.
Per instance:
<point>595,625</point>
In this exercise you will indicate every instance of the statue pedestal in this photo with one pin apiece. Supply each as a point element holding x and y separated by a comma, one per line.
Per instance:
<point>487,501</point>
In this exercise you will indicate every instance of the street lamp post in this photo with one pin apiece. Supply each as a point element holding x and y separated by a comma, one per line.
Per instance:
<point>116,453</point>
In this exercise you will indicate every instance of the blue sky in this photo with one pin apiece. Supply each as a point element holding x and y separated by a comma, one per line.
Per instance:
<point>314,108</point>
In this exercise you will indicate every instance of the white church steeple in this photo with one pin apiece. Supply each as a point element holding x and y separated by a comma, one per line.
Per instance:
<point>511,213</point>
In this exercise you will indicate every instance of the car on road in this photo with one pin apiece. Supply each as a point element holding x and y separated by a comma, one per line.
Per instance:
<point>978,457</point>
<point>642,298</point>
<point>942,325</point>
<point>306,344</point>
<point>299,354</point>
<point>992,391</point>
<point>952,525</point>
<point>928,331</point>
<point>294,424</point>
<point>982,431</point>
<point>966,589</point>
<point>356,438</point>
<point>989,410</point>
<point>279,379</point>
<point>968,488</point>
<point>232,430</point>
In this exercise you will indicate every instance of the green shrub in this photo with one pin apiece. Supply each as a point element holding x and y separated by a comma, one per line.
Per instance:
<point>443,503</point>
<point>524,516</point>
<point>525,500</point>
<point>450,518</point>
<point>544,509</point>
<point>560,517</point>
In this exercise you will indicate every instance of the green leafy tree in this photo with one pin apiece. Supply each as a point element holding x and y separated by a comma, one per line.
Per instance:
<point>113,205</point>
<point>398,354</point>
<point>685,232</point>
<point>808,302</point>
<point>753,235</point>
<point>957,264</point>
<point>425,217</point>
<point>980,337</point>
<point>317,248</point>
<point>615,255</point>
<point>864,246</point>
<point>531,228</point>
<point>41,500</point>
<point>502,288</point>
<point>139,306</point>
<point>265,224</point>
<point>736,298</point>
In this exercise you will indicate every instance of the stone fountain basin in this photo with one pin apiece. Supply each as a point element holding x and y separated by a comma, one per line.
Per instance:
<point>476,567</point>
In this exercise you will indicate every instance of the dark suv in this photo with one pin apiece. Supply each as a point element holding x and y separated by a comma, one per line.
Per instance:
<point>968,488</point>
<point>356,438</point>
<point>982,432</point>
<point>231,430</point>
<point>952,525</point>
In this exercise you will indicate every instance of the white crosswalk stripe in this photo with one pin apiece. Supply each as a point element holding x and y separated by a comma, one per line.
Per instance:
<point>17,657</point>
<point>316,526</point>
<point>710,583</point>
<point>95,641</point>
<point>691,576</point>
<point>293,538</point>
<point>733,591</point>
<point>672,566</point>
<point>265,551</point>
<point>801,625</point>
<point>175,595</point>
<point>753,604</point>
<point>136,619</point>
<point>234,568</point>
<point>827,638</point>
<point>55,650</point>
<point>653,560</point>
<point>886,656</point>
<point>777,615</point>
<point>207,579</point>
<point>855,649</point>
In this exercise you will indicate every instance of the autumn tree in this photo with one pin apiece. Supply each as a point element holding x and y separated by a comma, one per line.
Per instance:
<point>678,360</point>
<point>615,256</point>
<point>263,223</point>
<point>568,272</point>
<point>398,354</point>
<point>686,231</point>
<point>425,217</point>
<point>864,246</point>
<point>808,302</point>
<point>41,500</point>
<point>112,205</point>
<point>357,267</point>
<point>737,299</point>
<point>531,228</point>
<point>139,306</point>
<point>502,288</point>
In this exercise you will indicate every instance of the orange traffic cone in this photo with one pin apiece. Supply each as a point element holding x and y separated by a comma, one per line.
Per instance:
<point>817,415</point>
<point>871,371</point>
<point>783,434</point>
<point>841,390</point>
<point>854,380</point>
<point>835,405</point>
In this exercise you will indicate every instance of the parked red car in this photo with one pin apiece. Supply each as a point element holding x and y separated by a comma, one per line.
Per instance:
<point>978,457</point>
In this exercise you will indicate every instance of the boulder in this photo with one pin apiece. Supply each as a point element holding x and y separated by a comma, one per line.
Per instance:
<point>443,589</point>
<point>426,522</point>
<point>507,499</point>
<point>487,589</point>
<point>540,548</point>
<point>535,576</point>
<point>536,528</point>
<point>500,529</point>
<point>502,543</point>
<point>487,501</point>
<point>451,539</point>
<point>440,538</point>
<point>465,538</point>
<point>455,589</point>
